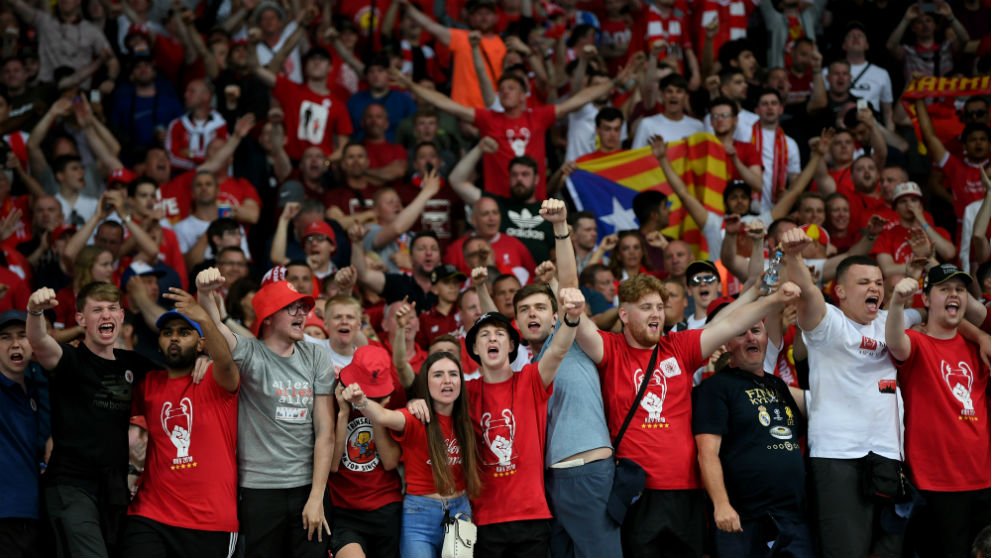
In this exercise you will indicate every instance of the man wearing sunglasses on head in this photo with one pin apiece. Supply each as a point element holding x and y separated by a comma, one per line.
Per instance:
<point>703,281</point>
<point>285,422</point>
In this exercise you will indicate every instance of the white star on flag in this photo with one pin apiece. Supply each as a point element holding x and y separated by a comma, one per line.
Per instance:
<point>621,219</point>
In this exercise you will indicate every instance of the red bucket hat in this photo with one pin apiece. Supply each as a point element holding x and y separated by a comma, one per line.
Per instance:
<point>371,369</point>
<point>274,297</point>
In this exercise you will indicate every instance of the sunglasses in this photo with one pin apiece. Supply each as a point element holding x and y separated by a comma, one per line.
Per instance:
<point>697,280</point>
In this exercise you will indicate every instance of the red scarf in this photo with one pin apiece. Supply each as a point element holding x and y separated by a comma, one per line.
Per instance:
<point>780,157</point>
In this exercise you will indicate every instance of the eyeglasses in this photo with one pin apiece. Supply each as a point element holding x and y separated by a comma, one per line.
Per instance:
<point>721,115</point>
<point>976,114</point>
<point>298,308</point>
<point>697,280</point>
<point>315,238</point>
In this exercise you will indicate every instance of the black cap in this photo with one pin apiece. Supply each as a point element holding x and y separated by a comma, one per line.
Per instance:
<point>701,266</point>
<point>494,318</point>
<point>446,271</point>
<point>13,316</point>
<point>944,272</point>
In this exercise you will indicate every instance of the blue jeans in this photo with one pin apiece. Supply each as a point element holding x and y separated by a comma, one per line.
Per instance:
<point>422,532</point>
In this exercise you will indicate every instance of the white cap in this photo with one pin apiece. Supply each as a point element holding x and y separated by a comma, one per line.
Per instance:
<point>906,189</point>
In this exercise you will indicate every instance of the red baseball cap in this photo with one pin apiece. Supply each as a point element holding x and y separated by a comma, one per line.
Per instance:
<point>371,369</point>
<point>273,298</point>
<point>320,227</point>
<point>121,175</point>
<point>62,230</point>
<point>314,320</point>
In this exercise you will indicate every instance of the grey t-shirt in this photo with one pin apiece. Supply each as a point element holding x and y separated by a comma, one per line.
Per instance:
<point>275,412</point>
<point>576,420</point>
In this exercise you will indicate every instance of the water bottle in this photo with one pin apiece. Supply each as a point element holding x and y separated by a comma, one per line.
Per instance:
<point>771,276</point>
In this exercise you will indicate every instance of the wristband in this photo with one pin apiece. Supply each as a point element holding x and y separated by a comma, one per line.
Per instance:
<point>565,321</point>
<point>36,312</point>
<point>925,226</point>
<point>361,407</point>
<point>563,236</point>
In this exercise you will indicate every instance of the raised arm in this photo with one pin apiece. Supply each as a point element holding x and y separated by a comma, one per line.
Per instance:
<point>788,199</point>
<point>458,178</point>
<point>734,262</point>
<point>407,217</point>
<point>404,313</point>
<point>481,73</point>
<point>138,298</point>
<point>46,349</point>
<point>744,317</point>
<point>935,148</point>
<point>555,212</point>
<point>442,33</point>
<point>277,253</point>
<point>208,282</point>
<point>811,307</point>
<point>480,282</point>
<point>895,323</point>
<point>220,158</point>
<point>572,305</point>
<point>818,97</point>
<point>373,279</point>
<point>695,208</point>
<point>36,159</point>
<point>303,20</point>
<point>439,100</point>
<point>225,371</point>
<point>895,38</point>
<point>589,94</point>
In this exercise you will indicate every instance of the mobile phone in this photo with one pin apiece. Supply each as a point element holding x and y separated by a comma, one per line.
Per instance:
<point>708,17</point>
<point>928,7</point>
<point>862,104</point>
<point>95,96</point>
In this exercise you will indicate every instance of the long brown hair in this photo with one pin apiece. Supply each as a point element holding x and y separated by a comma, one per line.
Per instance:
<point>616,266</point>
<point>444,480</point>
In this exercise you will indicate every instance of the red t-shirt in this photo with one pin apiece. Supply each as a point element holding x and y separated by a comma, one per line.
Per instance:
<point>964,180</point>
<point>349,200</point>
<point>652,434</point>
<point>22,230</point>
<point>361,483</point>
<point>176,197</point>
<point>945,388</point>
<point>19,292</point>
<point>382,153</point>
<point>893,241</point>
<point>434,324</point>
<point>510,419</point>
<point>311,118</point>
<point>417,458</point>
<point>863,207</point>
<point>191,472</point>
<point>523,135</point>
<point>747,154</point>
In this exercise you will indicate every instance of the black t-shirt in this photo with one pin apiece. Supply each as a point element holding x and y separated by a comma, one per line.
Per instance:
<point>399,285</point>
<point>762,461</point>
<point>523,221</point>
<point>91,410</point>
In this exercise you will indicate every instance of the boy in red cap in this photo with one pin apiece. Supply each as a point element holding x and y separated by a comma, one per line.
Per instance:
<point>365,488</point>
<point>286,422</point>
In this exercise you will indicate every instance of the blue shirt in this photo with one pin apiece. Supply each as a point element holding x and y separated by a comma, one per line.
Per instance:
<point>19,425</point>
<point>399,105</point>
<point>576,420</point>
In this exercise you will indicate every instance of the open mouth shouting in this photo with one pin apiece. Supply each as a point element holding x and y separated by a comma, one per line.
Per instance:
<point>107,330</point>
<point>17,358</point>
<point>534,326</point>
<point>871,303</point>
<point>492,352</point>
<point>952,307</point>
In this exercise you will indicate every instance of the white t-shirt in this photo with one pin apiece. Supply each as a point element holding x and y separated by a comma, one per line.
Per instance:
<point>854,405</point>
<point>339,360</point>
<point>875,85</point>
<point>292,68</point>
<point>84,209</point>
<point>671,130</point>
<point>190,229</point>
<point>745,125</point>
<point>582,132</point>
<point>714,232</point>
<point>967,229</point>
<point>793,165</point>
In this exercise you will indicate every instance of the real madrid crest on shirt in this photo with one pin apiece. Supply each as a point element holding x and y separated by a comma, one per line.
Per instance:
<point>763,417</point>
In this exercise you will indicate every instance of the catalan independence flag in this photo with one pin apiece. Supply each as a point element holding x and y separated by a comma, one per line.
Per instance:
<point>607,186</point>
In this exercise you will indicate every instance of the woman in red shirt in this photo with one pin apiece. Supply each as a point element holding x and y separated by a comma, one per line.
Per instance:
<point>440,456</point>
